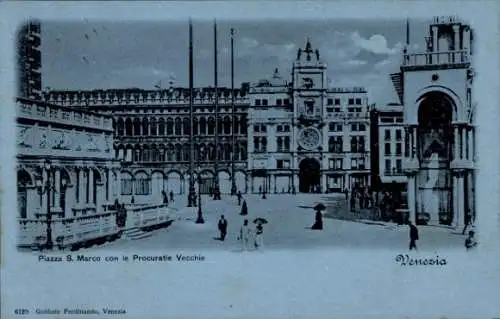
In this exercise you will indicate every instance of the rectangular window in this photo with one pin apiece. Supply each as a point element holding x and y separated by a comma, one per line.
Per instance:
<point>263,128</point>
<point>279,128</point>
<point>358,109</point>
<point>387,135</point>
<point>361,163</point>
<point>358,101</point>
<point>142,186</point>
<point>354,163</point>
<point>399,149</point>
<point>264,102</point>
<point>256,128</point>
<point>354,127</point>
<point>335,163</point>
<point>279,164</point>
<point>351,101</point>
<point>329,109</point>
<point>350,109</point>
<point>337,101</point>
<point>337,109</point>
<point>330,102</point>
<point>257,102</point>
<point>362,127</point>
<point>332,127</point>
<point>286,101</point>
<point>399,165</point>
<point>399,120</point>
<point>387,165</point>
<point>387,150</point>
<point>278,102</point>
<point>287,128</point>
<point>339,127</point>
<point>398,135</point>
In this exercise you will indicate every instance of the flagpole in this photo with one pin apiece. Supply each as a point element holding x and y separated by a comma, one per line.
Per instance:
<point>216,111</point>
<point>233,146</point>
<point>191,195</point>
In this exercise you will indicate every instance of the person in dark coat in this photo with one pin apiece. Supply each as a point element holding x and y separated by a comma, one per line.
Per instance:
<point>413,235</point>
<point>239,197</point>
<point>172,196</point>
<point>165,197</point>
<point>222,227</point>
<point>318,224</point>
<point>132,200</point>
<point>353,202</point>
<point>470,241</point>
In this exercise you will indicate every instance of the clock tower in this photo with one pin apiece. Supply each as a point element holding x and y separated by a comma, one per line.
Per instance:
<point>309,91</point>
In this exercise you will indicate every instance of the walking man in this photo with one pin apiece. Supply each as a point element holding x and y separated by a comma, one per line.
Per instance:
<point>413,235</point>
<point>245,233</point>
<point>172,196</point>
<point>259,236</point>
<point>222,227</point>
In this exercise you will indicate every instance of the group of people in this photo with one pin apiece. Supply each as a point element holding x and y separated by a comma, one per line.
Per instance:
<point>470,240</point>
<point>360,198</point>
<point>247,236</point>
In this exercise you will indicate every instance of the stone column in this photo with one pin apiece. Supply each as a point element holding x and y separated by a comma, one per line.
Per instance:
<point>456,40</point>
<point>460,201</point>
<point>456,155</point>
<point>81,186</point>
<point>464,143</point>
<point>414,143</point>
<point>274,183</point>
<point>43,209</point>
<point>109,179</point>
<point>435,42</point>
<point>471,144</point>
<point>412,203</point>
<point>455,199</point>
<point>69,201</point>
<point>91,186</point>
<point>324,182</point>
<point>470,194</point>
<point>57,194</point>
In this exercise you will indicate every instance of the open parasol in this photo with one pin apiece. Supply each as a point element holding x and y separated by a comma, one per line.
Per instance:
<point>260,220</point>
<point>319,207</point>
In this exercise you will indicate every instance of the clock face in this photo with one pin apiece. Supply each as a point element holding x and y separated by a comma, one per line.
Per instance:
<point>307,83</point>
<point>309,138</point>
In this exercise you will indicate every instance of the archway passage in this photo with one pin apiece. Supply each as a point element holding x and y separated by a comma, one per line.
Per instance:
<point>309,175</point>
<point>435,144</point>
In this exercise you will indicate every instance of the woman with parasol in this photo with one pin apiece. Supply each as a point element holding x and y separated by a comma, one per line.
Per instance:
<point>259,230</point>
<point>318,224</point>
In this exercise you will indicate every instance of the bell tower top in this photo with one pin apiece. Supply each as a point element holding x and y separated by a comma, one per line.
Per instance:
<point>307,54</point>
<point>448,34</point>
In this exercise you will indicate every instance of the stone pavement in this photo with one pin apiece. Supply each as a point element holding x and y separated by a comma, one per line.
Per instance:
<point>290,217</point>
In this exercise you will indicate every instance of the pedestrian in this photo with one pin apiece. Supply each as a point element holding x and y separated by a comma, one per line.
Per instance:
<point>294,191</point>
<point>172,196</point>
<point>318,223</point>
<point>132,200</point>
<point>413,236</point>
<point>468,222</point>
<point>353,202</point>
<point>260,190</point>
<point>470,241</point>
<point>165,197</point>
<point>346,192</point>
<point>239,197</point>
<point>259,236</point>
<point>245,233</point>
<point>222,227</point>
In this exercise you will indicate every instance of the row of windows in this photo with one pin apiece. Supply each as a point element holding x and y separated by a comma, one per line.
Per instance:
<point>135,187</point>
<point>336,145</point>
<point>181,153</point>
<point>398,149</point>
<point>356,163</point>
<point>265,102</point>
<point>398,135</point>
<point>179,127</point>
<point>282,143</point>
<point>349,101</point>
<point>390,169</point>
<point>391,119</point>
<point>349,109</point>
<point>262,128</point>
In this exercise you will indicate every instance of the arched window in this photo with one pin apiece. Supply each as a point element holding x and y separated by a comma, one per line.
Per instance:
<point>195,126</point>
<point>170,126</point>
<point>287,143</point>
<point>227,152</point>
<point>219,126</point>
<point>145,154</point>
<point>178,152</point>
<point>137,154</point>
<point>145,126</point>
<point>128,127</point>
<point>170,152</point>
<point>280,143</point>
<point>178,126</point>
<point>137,127</point>
<point>185,152</point>
<point>203,126</point>
<point>154,153</point>
<point>161,153</point>
<point>161,127</point>
<point>227,125</point>
<point>211,152</point>
<point>203,152</point>
<point>186,127</point>
<point>211,126</point>
<point>236,125</point>
<point>220,151</point>
<point>120,127</point>
<point>153,127</point>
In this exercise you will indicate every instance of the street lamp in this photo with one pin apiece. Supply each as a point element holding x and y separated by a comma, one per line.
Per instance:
<point>45,189</point>
<point>199,219</point>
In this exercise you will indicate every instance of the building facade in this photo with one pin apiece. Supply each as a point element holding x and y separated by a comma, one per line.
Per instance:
<point>305,136</point>
<point>435,88</point>
<point>79,145</point>
<point>29,61</point>
<point>152,137</point>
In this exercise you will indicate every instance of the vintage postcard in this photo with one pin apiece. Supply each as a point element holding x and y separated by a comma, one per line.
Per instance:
<point>250,160</point>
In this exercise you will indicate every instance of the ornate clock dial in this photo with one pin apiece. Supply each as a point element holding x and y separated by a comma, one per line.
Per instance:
<point>309,138</point>
<point>307,83</point>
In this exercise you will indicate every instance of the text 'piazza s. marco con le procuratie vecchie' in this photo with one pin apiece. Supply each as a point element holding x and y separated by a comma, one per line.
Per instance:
<point>179,257</point>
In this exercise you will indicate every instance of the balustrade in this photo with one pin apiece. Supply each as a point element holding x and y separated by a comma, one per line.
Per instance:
<point>436,58</point>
